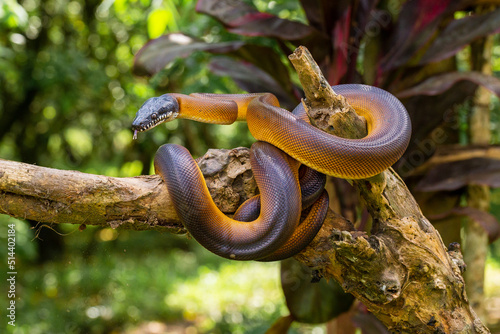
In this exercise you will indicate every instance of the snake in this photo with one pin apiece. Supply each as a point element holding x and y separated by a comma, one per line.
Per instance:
<point>285,140</point>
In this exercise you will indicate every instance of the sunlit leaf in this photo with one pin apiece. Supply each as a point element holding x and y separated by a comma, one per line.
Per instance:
<point>79,140</point>
<point>13,14</point>
<point>120,5</point>
<point>441,83</point>
<point>158,20</point>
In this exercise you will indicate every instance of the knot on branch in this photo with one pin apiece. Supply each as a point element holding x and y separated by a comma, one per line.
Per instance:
<point>229,177</point>
<point>372,269</point>
<point>455,254</point>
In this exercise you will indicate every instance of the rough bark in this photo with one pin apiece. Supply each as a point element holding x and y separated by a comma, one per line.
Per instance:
<point>139,203</point>
<point>402,272</point>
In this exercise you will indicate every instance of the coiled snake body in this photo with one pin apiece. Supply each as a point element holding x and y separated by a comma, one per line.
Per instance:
<point>275,234</point>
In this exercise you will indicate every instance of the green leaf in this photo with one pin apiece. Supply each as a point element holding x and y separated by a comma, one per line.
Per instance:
<point>13,14</point>
<point>281,325</point>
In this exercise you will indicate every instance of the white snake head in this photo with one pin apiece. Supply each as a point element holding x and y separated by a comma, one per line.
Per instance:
<point>154,111</point>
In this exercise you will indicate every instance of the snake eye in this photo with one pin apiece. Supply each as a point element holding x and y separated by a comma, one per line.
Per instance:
<point>154,115</point>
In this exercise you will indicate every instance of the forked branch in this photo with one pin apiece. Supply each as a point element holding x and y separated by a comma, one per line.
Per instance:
<point>402,271</point>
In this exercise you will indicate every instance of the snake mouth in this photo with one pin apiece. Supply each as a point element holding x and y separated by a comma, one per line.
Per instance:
<point>138,126</point>
<point>146,126</point>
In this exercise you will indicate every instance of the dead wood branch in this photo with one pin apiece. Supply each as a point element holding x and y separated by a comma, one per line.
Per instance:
<point>402,271</point>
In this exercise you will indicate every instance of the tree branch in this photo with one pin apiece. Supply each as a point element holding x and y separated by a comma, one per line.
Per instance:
<point>402,271</point>
<point>138,203</point>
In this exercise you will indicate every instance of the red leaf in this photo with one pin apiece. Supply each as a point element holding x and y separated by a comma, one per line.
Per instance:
<point>243,19</point>
<point>416,24</point>
<point>322,14</point>
<point>424,140</point>
<point>441,83</point>
<point>157,53</point>
<point>252,79</point>
<point>459,33</point>
<point>341,47</point>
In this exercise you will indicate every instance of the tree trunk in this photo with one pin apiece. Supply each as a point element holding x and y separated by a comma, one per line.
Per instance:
<point>478,196</point>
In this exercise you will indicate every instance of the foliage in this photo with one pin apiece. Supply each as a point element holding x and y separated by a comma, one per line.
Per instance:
<point>66,88</point>
<point>126,279</point>
<point>408,48</point>
<point>414,49</point>
<point>67,97</point>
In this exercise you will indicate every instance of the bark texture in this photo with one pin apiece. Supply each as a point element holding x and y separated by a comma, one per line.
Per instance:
<point>139,203</point>
<point>402,271</point>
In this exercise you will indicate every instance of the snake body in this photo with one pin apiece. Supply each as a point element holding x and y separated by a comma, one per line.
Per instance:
<point>275,233</point>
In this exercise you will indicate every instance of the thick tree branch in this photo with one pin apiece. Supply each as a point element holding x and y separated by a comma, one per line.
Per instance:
<point>139,203</point>
<point>402,271</point>
<point>59,196</point>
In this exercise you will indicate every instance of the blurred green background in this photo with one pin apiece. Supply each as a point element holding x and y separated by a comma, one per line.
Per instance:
<point>67,100</point>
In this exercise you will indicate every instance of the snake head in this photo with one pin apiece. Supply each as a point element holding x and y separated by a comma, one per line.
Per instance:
<point>154,111</point>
